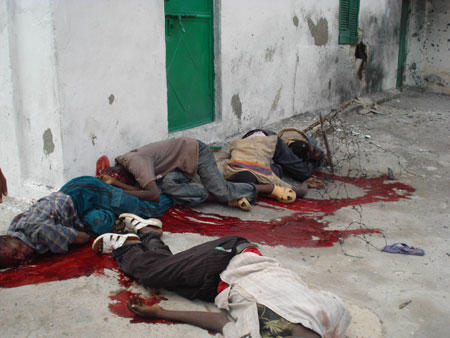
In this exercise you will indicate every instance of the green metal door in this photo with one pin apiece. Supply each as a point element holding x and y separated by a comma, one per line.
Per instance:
<point>402,45</point>
<point>189,62</point>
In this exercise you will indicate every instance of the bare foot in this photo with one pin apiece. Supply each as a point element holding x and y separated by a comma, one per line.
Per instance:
<point>118,227</point>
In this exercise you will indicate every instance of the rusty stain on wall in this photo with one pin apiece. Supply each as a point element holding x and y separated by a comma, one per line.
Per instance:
<point>276,99</point>
<point>49,146</point>
<point>236,105</point>
<point>319,31</point>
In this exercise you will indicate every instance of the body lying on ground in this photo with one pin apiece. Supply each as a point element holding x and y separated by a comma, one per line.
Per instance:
<point>256,296</point>
<point>84,207</point>
<point>186,170</point>
<point>263,157</point>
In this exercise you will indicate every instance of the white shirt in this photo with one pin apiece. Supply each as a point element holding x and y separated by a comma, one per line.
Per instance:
<point>257,279</point>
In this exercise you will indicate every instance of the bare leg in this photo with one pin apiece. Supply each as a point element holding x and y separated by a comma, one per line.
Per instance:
<point>206,320</point>
<point>299,330</point>
<point>264,189</point>
<point>301,190</point>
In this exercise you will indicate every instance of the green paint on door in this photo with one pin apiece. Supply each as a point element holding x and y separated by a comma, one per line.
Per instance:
<point>402,45</point>
<point>189,62</point>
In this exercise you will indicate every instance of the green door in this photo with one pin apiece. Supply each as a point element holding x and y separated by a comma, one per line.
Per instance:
<point>189,62</point>
<point>402,45</point>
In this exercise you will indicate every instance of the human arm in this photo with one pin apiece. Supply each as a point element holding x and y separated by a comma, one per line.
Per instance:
<point>55,238</point>
<point>3,186</point>
<point>206,320</point>
<point>150,193</point>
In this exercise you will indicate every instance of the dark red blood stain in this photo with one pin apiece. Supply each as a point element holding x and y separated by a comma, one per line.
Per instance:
<point>120,308</point>
<point>78,262</point>
<point>303,228</point>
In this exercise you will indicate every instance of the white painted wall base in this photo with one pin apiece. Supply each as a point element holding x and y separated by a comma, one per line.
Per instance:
<point>81,78</point>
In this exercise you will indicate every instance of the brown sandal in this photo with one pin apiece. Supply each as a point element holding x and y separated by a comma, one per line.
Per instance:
<point>243,204</point>
<point>282,194</point>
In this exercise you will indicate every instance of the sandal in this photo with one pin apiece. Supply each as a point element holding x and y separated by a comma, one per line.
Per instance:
<point>243,204</point>
<point>403,248</point>
<point>282,194</point>
<point>134,223</point>
<point>110,242</point>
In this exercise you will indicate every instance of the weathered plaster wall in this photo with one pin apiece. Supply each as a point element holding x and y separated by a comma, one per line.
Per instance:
<point>111,73</point>
<point>31,152</point>
<point>428,62</point>
<point>86,78</point>
<point>279,59</point>
<point>380,23</point>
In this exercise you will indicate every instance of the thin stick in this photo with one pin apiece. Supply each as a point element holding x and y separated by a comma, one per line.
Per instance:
<point>327,147</point>
<point>329,116</point>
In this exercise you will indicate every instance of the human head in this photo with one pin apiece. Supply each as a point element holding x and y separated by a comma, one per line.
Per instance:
<point>301,148</point>
<point>120,173</point>
<point>14,252</point>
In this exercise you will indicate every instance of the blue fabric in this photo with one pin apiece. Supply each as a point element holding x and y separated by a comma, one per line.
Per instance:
<point>188,192</point>
<point>291,163</point>
<point>98,204</point>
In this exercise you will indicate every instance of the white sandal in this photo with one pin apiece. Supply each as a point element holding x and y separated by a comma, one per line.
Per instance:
<point>110,242</point>
<point>134,223</point>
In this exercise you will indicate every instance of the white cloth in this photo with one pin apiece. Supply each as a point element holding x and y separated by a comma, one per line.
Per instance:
<point>257,279</point>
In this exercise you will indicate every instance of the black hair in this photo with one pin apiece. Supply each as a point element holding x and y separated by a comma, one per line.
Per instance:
<point>301,149</point>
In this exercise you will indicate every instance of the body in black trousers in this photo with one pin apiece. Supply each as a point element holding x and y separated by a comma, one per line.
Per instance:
<point>193,273</point>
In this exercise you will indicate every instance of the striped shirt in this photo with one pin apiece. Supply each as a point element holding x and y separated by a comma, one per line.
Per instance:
<point>50,224</point>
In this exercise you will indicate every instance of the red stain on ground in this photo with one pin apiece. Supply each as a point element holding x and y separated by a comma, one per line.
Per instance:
<point>78,262</point>
<point>303,228</point>
<point>120,308</point>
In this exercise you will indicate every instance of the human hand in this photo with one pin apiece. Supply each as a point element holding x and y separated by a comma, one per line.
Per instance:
<point>3,186</point>
<point>107,179</point>
<point>136,305</point>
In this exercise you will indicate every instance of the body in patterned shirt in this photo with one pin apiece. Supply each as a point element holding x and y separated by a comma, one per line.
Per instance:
<point>50,224</point>
<point>85,206</point>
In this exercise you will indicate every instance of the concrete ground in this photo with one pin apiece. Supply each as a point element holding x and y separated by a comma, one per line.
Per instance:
<point>390,295</point>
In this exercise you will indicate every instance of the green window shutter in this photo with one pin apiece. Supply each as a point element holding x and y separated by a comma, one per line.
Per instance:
<point>348,21</point>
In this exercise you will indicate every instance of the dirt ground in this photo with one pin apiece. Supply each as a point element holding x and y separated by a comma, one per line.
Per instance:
<point>392,166</point>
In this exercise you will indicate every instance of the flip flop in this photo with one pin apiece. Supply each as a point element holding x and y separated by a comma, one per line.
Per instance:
<point>243,204</point>
<point>403,248</point>
<point>110,242</point>
<point>102,163</point>
<point>134,223</point>
<point>282,194</point>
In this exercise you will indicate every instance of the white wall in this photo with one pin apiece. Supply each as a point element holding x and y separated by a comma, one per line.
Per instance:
<point>83,78</point>
<point>428,61</point>
<point>111,74</point>
<point>31,154</point>
<point>282,58</point>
